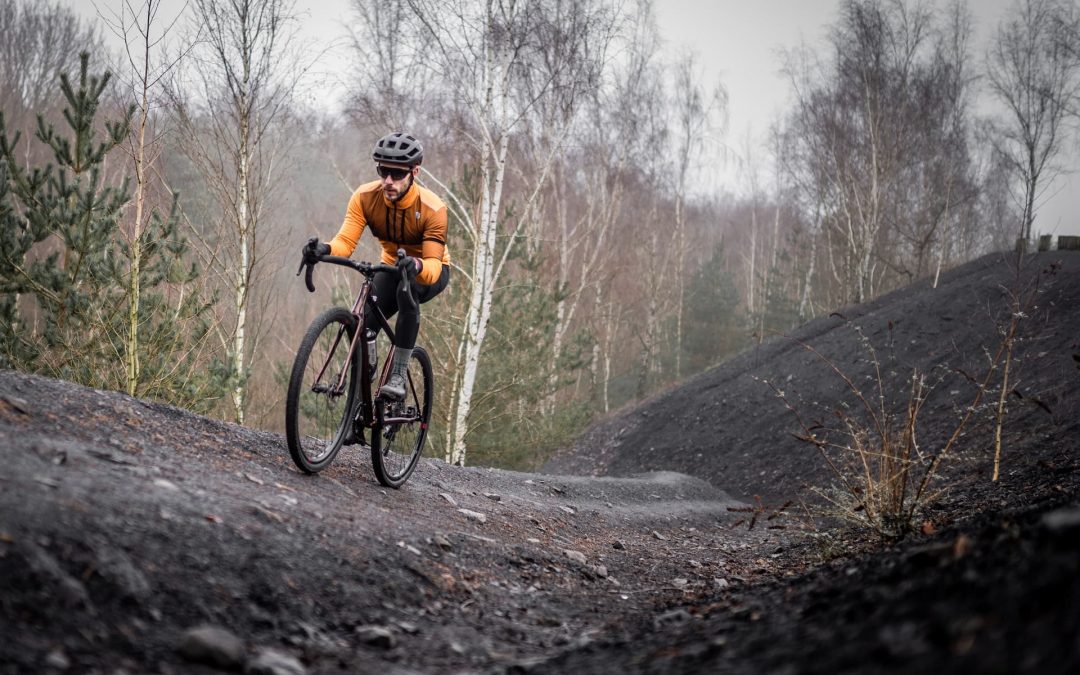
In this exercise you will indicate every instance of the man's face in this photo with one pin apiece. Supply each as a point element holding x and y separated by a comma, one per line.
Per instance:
<point>394,179</point>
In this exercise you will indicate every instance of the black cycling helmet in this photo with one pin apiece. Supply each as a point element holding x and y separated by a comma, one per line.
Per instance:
<point>398,148</point>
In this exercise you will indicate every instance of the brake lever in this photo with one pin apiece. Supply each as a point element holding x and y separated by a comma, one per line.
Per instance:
<point>307,277</point>
<point>404,286</point>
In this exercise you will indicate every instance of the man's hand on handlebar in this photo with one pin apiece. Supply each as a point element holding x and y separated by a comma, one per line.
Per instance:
<point>313,249</point>
<point>409,266</point>
<point>309,255</point>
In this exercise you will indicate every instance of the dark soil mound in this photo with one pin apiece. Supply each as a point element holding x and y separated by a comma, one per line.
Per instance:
<point>728,427</point>
<point>139,538</point>
<point>995,589</point>
<point>125,526</point>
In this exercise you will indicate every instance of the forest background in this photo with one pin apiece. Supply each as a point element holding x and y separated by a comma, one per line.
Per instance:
<point>152,216</point>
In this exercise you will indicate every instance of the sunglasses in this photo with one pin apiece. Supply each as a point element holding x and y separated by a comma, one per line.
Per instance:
<point>393,173</point>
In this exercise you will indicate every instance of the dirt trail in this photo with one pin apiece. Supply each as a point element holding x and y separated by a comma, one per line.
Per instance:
<point>124,525</point>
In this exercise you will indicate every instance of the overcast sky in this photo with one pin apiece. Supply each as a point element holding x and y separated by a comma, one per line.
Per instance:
<point>737,42</point>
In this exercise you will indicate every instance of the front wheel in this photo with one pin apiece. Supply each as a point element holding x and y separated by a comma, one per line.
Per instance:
<point>319,404</point>
<point>397,439</point>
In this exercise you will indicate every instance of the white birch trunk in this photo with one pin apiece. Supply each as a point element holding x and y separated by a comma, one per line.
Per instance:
<point>134,291</point>
<point>608,340</point>
<point>750,281</point>
<point>766,293</point>
<point>561,308</point>
<point>135,270</point>
<point>944,238</point>
<point>808,280</point>
<point>483,290</point>
<point>651,317</point>
<point>680,283</point>
<point>455,393</point>
<point>240,336</point>
<point>244,232</point>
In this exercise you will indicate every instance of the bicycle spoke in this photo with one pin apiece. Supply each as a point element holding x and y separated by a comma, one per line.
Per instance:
<point>320,392</point>
<point>400,439</point>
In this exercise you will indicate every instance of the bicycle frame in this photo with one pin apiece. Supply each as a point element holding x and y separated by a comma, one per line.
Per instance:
<point>325,412</point>
<point>365,406</point>
<point>363,299</point>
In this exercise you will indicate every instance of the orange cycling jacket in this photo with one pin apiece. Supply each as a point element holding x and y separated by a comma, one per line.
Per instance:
<point>416,223</point>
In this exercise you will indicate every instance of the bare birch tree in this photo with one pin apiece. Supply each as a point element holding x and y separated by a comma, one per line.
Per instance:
<point>592,175</point>
<point>698,115</point>
<point>806,188</point>
<point>934,187</point>
<point>858,122</point>
<point>144,35</point>
<point>389,65</point>
<point>233,95</point>
<point>498,58</point>
<point>41,40</point>
<point>1033,69</point>
<point>653,267</point>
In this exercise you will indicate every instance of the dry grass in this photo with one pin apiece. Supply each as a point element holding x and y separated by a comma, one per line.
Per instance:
<point>885,478</point>
<point>874,453</point>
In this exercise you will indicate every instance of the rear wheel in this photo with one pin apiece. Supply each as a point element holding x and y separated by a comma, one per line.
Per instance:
<point>397,440</point>
<point>321,391</point>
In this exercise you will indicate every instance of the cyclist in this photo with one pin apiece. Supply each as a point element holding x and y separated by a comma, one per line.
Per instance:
<point>400,214</point>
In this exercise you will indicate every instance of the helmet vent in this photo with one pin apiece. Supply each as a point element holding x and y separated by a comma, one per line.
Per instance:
<point>399,148</point>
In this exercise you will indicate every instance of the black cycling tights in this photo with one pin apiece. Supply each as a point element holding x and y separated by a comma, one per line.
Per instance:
<point>408,323</point>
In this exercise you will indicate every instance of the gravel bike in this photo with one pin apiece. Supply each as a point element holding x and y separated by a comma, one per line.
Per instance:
<point>334,397</point>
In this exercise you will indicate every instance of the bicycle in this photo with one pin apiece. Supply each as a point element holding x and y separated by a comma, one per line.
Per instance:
<point>333,394</point>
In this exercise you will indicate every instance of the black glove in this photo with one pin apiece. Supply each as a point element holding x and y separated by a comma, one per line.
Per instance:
<point>409,266</point>
<point>313,249</point>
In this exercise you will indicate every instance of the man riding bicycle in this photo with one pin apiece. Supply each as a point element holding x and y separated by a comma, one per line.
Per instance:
<point>400,214</point>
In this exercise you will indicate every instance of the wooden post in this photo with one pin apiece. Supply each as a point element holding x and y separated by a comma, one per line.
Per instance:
<point>1068,243</point>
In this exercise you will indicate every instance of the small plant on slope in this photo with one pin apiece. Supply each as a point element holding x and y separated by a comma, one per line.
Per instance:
<point>885,477</point>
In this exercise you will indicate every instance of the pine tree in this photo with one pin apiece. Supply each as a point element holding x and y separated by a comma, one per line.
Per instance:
<point>13,246</point>
<point>779,312</point>
<point>174,317</point>
<point>64,268</point>
<point>71,203</point>
<point>714,325</point>
<point>508,428</point>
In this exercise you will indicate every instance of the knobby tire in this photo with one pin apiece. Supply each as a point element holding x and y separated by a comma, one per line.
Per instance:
<point>396,447</point>
<point>318,414</point>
